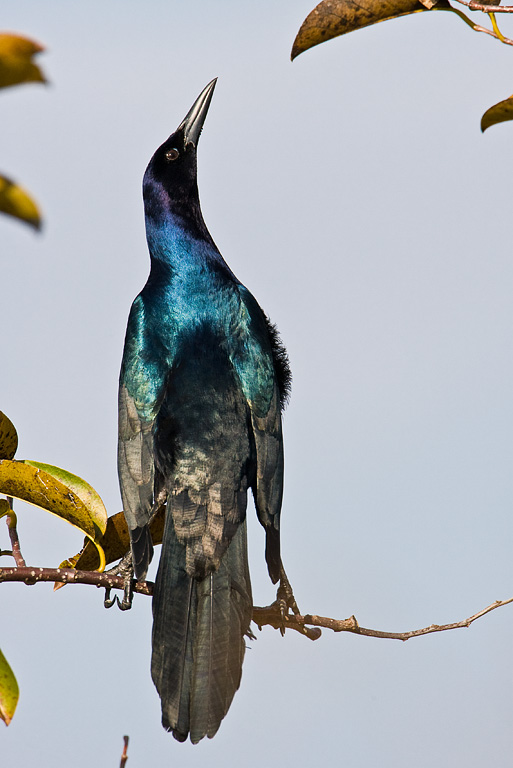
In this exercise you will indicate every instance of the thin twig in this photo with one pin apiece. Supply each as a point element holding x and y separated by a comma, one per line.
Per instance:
<point>472,6</point>
<point>351,624</point>
<point>124,756</point>
<point>15,541</point>
<point>7,511</point>
<point>498,35</point>
<point>308,625</point>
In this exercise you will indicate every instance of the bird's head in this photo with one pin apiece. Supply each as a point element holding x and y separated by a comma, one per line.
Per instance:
<point>170,178</point>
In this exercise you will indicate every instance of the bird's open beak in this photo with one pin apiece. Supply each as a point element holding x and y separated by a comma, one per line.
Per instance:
<point>193,122</point>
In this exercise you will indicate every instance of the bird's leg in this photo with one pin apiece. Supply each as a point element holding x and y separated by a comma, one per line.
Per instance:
<point>285,599</point>
<point>125,569</point>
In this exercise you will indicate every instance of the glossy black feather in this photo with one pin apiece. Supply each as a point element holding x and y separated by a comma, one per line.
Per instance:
<point>203,382</point>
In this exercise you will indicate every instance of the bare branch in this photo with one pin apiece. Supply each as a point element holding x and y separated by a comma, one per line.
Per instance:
<point>307,625</point>
<point>472,6</point>
<point>7,511</point>
<point>124,755</point>
<point>31,576</point>
<point>477,28</point>
<point>351,624</point>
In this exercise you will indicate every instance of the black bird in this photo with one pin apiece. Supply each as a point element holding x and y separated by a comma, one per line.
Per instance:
<point>203,381</point>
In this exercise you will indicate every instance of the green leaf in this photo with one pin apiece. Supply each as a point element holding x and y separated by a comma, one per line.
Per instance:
<point>499,113</point>
<point>8,437</point>
<point>59,492</point>
<point>9,691</point>
<point>15,201</point>
<point>16,65</point>
<point>333,18</point>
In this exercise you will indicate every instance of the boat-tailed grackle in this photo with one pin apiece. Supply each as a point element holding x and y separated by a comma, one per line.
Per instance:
<point>203,382</point>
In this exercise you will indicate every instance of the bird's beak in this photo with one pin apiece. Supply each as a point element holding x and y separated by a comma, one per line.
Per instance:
<point>193,122</point>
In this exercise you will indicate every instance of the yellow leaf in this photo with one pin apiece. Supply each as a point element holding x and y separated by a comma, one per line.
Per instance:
<point>16,65</point>
<point>59,492</point>
<point>15,201</point>
<point>115,542</point>
<point>8,437</point>
<point>499,113</point>
<point>9,691</point>
<point>333,18</point>
<point>90,498</point>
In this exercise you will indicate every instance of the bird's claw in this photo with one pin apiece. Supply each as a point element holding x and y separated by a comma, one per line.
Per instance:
<point>125,569</point>
<point>283,606</point>
<point>123,605</point>
<point>285,600</point>
<point>128,594</point>
<point>109,601</point>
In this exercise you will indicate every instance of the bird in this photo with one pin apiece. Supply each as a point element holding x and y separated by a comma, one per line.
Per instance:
<point>203,383</point>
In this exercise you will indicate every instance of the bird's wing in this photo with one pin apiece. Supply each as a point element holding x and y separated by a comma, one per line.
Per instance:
<point>136,476</point>
<point>135,461</point>
<point>268,490</point>
<point>141,383</point>
<point>259,382</point>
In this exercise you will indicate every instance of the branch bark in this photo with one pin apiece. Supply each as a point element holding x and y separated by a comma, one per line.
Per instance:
<point>124,754</point>
<point>308,625</point>
<point>490,11</point>
<point>473,6</point>
<point>7,511</point>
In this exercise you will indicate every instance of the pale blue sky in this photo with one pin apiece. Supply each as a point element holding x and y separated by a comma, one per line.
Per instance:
<point>353,193</point>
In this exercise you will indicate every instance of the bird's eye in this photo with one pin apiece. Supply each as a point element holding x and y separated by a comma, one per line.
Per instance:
<point>172,154</point>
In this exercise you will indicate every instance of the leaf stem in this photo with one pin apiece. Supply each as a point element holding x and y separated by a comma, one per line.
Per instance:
<point>476,27</point>
<point>496,28</point>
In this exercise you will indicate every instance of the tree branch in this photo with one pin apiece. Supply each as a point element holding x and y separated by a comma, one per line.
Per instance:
<point>490,10</point>
<point>307,625</point>
<point>31,576</point>
<point>124,754</point>
<point>473,6</point>
<point>7,511</point>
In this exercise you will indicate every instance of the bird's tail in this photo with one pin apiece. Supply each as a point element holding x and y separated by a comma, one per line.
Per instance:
<point>198,636</point>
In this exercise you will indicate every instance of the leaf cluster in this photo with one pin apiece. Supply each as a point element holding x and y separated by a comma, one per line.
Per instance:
<point>54,490</point>
<point>17,66</point>
<point>70,498</point>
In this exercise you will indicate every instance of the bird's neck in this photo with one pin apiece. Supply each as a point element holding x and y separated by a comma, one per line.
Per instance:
<point>184,259</point>
<point>171,242</point>
<point>181,247</point>
<point>175,228</point>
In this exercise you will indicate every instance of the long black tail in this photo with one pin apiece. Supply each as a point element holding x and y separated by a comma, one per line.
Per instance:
<point>198,636</point>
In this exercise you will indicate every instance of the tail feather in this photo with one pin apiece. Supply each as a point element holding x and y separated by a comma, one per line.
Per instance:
<point>173,610</point>
<point>142,550</point>
<point>198,636</point>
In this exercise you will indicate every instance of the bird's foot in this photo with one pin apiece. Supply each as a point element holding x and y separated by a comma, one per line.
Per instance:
<point>285,600</point>
<point>125,569</point>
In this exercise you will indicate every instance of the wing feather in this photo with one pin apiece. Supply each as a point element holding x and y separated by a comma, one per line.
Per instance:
<point>136,476</point>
